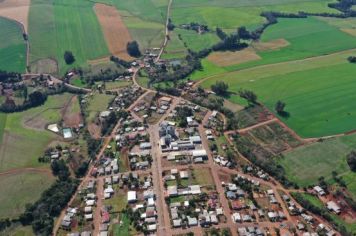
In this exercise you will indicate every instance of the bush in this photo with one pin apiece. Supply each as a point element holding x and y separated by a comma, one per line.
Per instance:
<point>133,49</point>
<point>69,57</point>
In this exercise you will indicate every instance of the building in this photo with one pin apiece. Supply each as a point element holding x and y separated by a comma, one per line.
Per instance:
<point>199,153</point>
<point>319,190</point>
<point>332,206</point>
<point>131,196</point>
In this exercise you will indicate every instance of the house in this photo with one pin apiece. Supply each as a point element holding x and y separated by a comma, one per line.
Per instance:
<point>145,145</point>
<point>177,223</point>
<point>192,221</point>
<point>195,139</point>
<point>172,191</point>
<point>319,190</point>
<point>152,227</point>
<point>230,195</point>
<point>88,216</point>
<point>88,209</point>
<point>183,174</point>
<point>332,206</point>
<point>131,196</point>
<point>194,189</point>
<point>236,217</point>
<point>199,153</point>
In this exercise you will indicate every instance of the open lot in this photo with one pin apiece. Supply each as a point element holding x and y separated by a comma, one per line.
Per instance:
<point>12,46</point>
<point>306,164</point>
<point>21,188</point>
<point>116,34</point>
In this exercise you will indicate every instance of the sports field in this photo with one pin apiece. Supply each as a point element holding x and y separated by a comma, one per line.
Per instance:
<point>65,25</point>
<point>12,47</point>
<point>21,188</point>
<point>306,164</point>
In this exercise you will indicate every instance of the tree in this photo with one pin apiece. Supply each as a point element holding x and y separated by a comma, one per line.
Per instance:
<point>25,93</point>
<point>69,57</point>
<point>133,49</point>
<point>352,59</point>
<point>351,160</point>
<point>37,98</point>
<point>220,33</point>
<point>220,88</point>
<point>243,33</point>
<point>250,96</point>
<point>279,107</point>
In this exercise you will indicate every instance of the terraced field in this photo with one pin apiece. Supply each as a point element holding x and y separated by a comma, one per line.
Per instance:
<point>12,46</point>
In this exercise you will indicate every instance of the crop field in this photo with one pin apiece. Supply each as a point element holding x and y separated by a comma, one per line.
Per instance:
<point>63,25</point>
<point>116,34</point>
<point>21,188</point>
<point>24,137</point>
<point>16,10</point>
<point>318,104</point>
<point>231,14</point>
<point>306,164</point>
<point>12,46</point>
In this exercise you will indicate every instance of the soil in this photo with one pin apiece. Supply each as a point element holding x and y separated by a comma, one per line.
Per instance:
<point>71,119</point>
<point>115,31</point>
<point>94,130</point>
<point>16,10</point>
<point>233,58</point>
<point>270,45</point>
<point>44,66</point>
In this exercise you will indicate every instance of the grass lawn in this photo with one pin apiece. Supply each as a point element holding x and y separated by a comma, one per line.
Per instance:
<point>2,125</point>
<point>12,47</point>
<point>65,25</point>
<point>20,189</point>
<point>203,176</point>
<point>318,103</point>
<point>125,228</point>
<point>304,165</point>
<point>97,103</point>
<point>23,143</point>
<point>78,82</point>
<point>118,202</point>
<point>316,202</point>
<point>143,81</point>
<point>117,84</point>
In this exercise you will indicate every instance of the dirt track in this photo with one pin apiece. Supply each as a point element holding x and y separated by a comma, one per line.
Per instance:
<point>115,31</point>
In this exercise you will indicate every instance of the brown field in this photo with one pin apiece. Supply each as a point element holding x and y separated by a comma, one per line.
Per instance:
<point>16,10</point>
<point>99,61</point>
<point>71,113</point>
<point>233,58</point>
<point>116,34</point>
<point>271,45</point>
<point>44,66</point>
<point>350,31</point>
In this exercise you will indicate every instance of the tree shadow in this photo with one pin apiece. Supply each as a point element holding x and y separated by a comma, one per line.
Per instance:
<point>284,114</point>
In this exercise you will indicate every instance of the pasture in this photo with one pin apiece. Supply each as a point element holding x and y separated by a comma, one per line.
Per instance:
<point>97,103</point>
<point>12,46</point>
<point>24,137</point>
<point>307,37</point>
<point>304,165</point>
<point>55,27</point>
<point>21,188</point>
<point>318,103</point>
<point>229,14</point>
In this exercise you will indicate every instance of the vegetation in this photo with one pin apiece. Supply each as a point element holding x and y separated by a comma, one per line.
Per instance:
<point>12,47</point>
<point>69,57</point>
<point>220,88</point>
<point>351,160</point>
<point>133,49</point>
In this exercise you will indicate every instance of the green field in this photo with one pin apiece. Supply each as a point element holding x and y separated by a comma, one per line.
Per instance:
<point>61,25</point>
<point>306,164</point>
<point>2,125</point>
<point>21,188</point>
<point>97,103</point>
<point>12,47</point>
<point>229,14</point>
<point>24,138</point>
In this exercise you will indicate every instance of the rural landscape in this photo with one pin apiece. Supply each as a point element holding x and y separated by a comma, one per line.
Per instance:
<point>177,117</point>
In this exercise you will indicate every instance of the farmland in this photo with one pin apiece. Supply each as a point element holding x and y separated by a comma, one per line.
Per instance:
<point>24,133</point>
<point>21,188</point>
<point>238,13</point>
<point>306,164</point>
<point>12,46</point>
<point>65,25</point>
